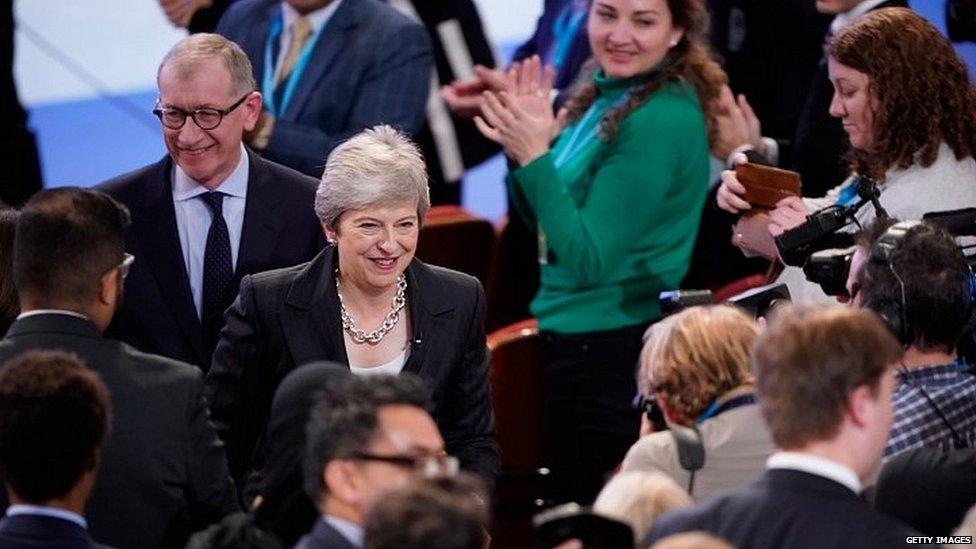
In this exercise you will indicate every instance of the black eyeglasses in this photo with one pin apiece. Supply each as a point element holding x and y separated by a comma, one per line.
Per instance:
<point>427,466</point>
<point>205,119</point>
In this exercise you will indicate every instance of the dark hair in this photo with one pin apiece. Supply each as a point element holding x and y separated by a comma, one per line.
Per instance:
<point>923,91</point>
<point>442,512</point>
<point>345,419</point>
<point>9,304</point>
<point>936,286</point>
<point>807,362</point>
<point>54,414</point>
<point>689,61</point>
<point>66,239</point>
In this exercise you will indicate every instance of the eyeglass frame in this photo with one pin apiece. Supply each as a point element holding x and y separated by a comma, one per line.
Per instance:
<point>159,111</point>
<point>428,466</point>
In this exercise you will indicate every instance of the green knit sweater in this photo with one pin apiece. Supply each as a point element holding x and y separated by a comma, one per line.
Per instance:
<point>617,220</point>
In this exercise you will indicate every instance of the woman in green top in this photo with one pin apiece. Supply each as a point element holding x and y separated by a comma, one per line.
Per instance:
<point>616,199</point>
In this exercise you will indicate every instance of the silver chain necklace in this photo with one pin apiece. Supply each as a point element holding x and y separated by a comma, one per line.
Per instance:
<point>374,337</point>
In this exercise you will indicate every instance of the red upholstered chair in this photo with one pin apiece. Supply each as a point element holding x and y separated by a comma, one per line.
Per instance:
<point>517,393</point>
<point>455,238</point>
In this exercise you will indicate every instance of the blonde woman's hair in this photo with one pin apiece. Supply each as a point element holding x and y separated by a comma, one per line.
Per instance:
<point>638,498</point>
<point>695,356</point>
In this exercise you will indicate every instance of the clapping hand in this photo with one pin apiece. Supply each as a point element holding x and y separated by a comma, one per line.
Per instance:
<point>464,97</point>
<point>521,120</point>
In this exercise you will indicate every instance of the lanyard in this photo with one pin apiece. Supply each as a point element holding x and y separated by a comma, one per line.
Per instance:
<point>267,80</point>
<point>564,31</point>
<point>572,147</point>
<point>716,408</point>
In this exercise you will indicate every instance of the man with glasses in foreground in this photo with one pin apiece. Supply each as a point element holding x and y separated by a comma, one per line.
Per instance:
<point>366,436</point>
<point>211,211</point>
<point>163,471</point>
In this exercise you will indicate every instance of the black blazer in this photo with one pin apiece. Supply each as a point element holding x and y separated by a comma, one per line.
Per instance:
<point>290,317</point>
<point>324,536</point>
<point>157,314</point>
<point>787,509</point>
<point>43,532</point>
<point>163,470</point>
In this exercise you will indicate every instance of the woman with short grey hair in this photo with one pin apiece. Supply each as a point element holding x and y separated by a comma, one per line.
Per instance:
<point>364,301</point>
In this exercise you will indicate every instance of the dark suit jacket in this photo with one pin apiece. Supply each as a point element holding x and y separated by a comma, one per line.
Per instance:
<point>371,65</point>
<point>543,38</point>
<point>163,470</point>
<point>787,509</point>
<point>324,536</point>
<point>290,317</point>
<point>43,532</point>
<point>157,313</point>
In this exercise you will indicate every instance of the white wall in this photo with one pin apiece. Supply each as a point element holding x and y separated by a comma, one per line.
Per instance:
<point>120,42</point>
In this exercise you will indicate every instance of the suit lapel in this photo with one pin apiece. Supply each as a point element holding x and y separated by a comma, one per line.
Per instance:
<point>155,229</point>
<point>310,318</point>
<point>262,224</point>
<point>335,36</point>
<point>427,317</point>
<point>256,39</point>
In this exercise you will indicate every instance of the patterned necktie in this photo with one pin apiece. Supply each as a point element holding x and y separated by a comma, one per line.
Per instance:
<point>218,270</point>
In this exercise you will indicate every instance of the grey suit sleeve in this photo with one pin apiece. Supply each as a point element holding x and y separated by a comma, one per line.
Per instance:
<point>238,386</point>
<point>468,422</point>
<point>209,484</point>
<point>394,92</point>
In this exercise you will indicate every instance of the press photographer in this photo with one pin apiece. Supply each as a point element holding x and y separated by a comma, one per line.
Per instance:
<point>911,123</point>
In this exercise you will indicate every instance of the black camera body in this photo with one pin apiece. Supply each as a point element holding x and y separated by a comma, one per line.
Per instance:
<point>829,269</point>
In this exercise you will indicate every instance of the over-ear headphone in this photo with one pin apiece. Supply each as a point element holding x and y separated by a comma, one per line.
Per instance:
<point>894,311</point>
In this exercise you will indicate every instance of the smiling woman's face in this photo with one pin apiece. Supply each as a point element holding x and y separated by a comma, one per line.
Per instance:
<point>376,244</point>
<point>853,103</point>
<point>629,37</point>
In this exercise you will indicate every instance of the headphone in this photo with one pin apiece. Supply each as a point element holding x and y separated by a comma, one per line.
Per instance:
<point>895,312</point>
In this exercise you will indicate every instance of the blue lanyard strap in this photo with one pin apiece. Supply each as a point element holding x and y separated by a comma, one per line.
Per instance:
<point>564,31</point>
<point>268,78</point>
<point>717,408</point>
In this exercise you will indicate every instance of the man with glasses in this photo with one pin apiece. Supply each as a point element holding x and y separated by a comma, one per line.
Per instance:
<point>163,471</point>
<point>211,211</point>
<point>366,436</point>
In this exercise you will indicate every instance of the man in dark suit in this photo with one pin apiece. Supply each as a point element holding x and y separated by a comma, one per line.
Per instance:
<point>211,211</point>
<point>824,378</point>
<point>54,415</point>
<point>365,437</point>
<point>329,69</point>
<point>163,470</point>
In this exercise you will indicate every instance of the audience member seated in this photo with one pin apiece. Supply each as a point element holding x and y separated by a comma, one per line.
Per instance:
<point>364,301</point>
<point>54,415</point>
<point>910,120</point>
<point>329,69</point>
<point>695,367</point>
<point>163,470</point>
<point>444,512</point>
<point>928,488</point>
<point>638,498</point>
<point>824,378</point>
<point>366,436</point>
<point>208,213</point>
<point>917,279</point>
<point>9,307</point>
<point>615,200</point>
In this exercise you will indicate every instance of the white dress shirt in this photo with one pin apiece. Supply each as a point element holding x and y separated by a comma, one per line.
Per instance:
<point>64,514</point>
<point>36,312</point>
<point>193,219</point>
<point>843,20</point>
<point>351,531</point>
<point>798,461</point>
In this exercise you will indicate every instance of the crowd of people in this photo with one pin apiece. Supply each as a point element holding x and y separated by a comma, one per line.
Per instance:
<point>237,347</point>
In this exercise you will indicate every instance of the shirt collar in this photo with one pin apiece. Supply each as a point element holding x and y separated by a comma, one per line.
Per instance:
<point>64,514</point>
<point>846,19</point>
<point>36,312</point>
<point>822,467</point>
<point>934,371</point>
<point>317,19</point>
<point>185,188</point>
<point>349,530</point>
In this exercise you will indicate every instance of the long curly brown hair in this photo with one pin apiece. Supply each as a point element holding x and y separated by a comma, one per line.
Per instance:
<point>921,90</point>
<point>689,61</point>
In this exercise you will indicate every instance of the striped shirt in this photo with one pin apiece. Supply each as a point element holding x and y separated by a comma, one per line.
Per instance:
<point>928,398</point>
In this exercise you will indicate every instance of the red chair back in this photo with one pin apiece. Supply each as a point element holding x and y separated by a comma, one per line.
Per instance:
<point>455,238</point>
